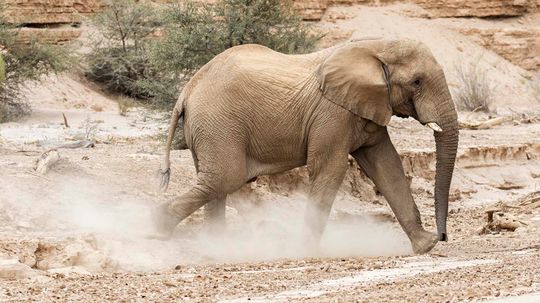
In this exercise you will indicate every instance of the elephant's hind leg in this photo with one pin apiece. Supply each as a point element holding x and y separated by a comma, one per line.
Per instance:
<point>212,187</point>
<point>168,215</point>
<point>214,211</point>
<point>214,215</point>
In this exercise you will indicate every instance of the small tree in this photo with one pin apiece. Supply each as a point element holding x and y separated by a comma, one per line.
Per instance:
<point>195,33</point>
<point>137,56</point>
<point>20,63</point>
<point>119,57</point>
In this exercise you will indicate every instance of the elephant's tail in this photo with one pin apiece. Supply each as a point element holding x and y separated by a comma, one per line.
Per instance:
<point>165,172</point>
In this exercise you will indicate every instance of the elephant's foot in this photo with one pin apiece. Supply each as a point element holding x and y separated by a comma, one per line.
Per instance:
<point>163,220</point>
<point>424,242</point>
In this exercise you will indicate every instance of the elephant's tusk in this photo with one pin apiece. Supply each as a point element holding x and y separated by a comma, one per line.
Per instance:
<point>434,126</point>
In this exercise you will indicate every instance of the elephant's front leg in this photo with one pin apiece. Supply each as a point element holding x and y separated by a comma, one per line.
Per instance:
<point>326,172</point>
<point>383,165</point>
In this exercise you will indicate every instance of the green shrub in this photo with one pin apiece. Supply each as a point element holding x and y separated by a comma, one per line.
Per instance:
<point>134,58</point>
<point>120,57</point>
<point>195,33</point>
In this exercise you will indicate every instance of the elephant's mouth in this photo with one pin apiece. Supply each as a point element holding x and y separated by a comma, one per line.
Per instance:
<point>405,109</point>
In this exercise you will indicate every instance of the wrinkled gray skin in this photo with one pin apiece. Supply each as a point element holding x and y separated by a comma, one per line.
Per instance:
<point>252,111</point>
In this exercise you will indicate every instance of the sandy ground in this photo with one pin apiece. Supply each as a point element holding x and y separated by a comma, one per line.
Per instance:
<point>82,231</point>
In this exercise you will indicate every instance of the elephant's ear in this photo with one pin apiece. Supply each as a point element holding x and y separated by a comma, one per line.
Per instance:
<point>355,79</point>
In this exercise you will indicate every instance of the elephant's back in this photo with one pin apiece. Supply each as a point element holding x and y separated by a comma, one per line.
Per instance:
<point>251,92</point>
<point>253,59</point>
<point>250,75</point>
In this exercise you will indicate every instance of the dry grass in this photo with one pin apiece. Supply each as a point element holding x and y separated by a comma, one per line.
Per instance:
<point>124,105</point>
<point>89,129</point>
<point>475,89</point>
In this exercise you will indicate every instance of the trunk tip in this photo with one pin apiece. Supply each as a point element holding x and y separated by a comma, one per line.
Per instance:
<point>443,237</point>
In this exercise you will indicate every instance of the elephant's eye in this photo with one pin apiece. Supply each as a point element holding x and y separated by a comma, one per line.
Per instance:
<point>417,82</point>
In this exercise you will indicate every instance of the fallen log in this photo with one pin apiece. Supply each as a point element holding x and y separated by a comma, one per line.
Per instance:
<point>483,124</point>
<point>78,144</point>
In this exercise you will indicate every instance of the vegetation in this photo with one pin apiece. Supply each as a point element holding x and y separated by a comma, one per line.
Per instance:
<point>475,90</point>
<point>141,58</point>
<point>2,69</point>
<point>120,56</point>
<point>21,63</point>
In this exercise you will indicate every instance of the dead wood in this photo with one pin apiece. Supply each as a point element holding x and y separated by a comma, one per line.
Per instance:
<point>483,124</point>
<point>47,160</point>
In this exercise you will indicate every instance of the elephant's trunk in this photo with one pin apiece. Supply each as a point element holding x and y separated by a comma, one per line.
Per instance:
<point>446,148</point>
<point>443,113</point>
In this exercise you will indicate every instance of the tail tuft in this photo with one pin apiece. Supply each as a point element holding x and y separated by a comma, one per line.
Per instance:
<point>165,176</point>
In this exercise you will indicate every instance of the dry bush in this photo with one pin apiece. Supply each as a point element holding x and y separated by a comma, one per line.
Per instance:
<point>475,89</point>
<point>89,129</point>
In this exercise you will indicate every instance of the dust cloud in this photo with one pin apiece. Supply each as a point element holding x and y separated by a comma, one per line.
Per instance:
<point>94,227</point>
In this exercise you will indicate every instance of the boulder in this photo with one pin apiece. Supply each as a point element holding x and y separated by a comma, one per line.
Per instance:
<point>12,269</point>
<point>475,8</point>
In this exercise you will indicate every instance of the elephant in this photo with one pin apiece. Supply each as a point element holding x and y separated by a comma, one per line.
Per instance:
<point>252,111</point>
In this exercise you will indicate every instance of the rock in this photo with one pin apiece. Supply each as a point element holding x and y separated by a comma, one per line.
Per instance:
<point>72,255</point>
<point>474,8</point>
<point>70,270</point>
<point>12,269</point>
<point>498,221</point>
<point>363,2</point>
<point>50,11</point>
<point>517,45</point>
<point>504,221</point>
<point>48,35</point>
<point>311,10</point>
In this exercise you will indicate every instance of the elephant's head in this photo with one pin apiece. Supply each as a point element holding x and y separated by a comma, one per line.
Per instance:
<point>378,78</point>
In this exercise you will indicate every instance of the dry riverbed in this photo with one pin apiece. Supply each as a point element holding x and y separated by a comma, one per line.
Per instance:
<point>82,232</point>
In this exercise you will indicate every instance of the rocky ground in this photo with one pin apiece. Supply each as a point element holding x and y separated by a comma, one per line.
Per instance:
<point>82,230</point>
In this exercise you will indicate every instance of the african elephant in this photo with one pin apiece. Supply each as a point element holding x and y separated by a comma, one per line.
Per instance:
<point>253,111</point>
